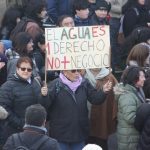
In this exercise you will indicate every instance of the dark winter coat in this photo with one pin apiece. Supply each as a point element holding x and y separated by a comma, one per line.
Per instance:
<point>15,96</point>
<point>3,70</point>
<point>146,87</point>
<point>142,124</point>
<point>68,113</point>
<point>3,74</point>
<point>148,3</point>
<point>136,16</point>
<point>97,21</point>
<point>29,137</point>
<point>81,22</point>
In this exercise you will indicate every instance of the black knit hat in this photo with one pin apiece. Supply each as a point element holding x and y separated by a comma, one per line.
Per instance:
<point>102,5</point>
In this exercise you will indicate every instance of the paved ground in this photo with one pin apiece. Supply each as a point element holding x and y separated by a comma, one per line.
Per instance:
<point>2,8</point>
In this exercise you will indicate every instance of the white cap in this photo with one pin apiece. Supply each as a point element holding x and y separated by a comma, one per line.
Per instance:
<point>92,147</point>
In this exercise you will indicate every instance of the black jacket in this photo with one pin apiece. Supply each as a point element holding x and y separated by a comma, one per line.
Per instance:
<point>97,21</point>
<point>15,96</point>
<point>136,16</point>
<point>142,124</point>
<point>29,137</point>
<point>68,113</point>
<point>3,74</point>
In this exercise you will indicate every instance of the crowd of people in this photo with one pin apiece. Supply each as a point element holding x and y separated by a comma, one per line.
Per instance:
<point>82,108</point>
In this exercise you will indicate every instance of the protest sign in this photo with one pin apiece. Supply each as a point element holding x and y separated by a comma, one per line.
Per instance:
<point>77,47</point>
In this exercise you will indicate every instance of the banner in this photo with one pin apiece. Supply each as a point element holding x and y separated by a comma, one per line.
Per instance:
<point>77,47</point>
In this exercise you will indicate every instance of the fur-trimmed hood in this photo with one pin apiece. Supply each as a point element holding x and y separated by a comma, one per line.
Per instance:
<point>119,89</point>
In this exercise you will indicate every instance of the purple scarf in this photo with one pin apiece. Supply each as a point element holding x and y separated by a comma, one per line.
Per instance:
<point>72,85</point>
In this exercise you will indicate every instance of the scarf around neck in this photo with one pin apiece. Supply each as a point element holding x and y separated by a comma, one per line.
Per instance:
<point>73,85</point>
<point>100,75</point>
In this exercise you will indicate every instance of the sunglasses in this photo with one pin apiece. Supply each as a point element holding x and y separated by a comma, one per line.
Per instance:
<point>73,71</point>
<point>24,69</point>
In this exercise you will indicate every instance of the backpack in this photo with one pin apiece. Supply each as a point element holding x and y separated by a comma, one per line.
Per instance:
<point>20,145</point>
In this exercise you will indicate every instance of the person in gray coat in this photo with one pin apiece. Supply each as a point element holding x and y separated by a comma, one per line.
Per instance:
<point>129,96</point>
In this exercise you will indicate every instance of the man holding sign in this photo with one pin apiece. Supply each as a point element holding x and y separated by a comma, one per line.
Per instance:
<point>66,105</point>
<point>66,97</point>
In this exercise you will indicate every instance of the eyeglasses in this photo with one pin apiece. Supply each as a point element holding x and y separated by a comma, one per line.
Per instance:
<point>74,71</point>
<point>24,69</point>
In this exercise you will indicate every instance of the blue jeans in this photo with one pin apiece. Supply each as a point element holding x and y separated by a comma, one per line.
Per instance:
<point>115,48</point>
<point>71,146</point>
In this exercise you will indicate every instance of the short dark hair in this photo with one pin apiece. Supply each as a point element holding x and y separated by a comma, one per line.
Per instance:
<point>131,75</point>
<point>80,5</point>
<point>35,115</point>
<point>26,60</point>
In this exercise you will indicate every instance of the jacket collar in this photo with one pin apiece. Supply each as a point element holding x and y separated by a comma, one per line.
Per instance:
<point>37,129</point>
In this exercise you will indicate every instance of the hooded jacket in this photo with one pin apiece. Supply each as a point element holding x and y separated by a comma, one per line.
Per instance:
<point>128,102</point>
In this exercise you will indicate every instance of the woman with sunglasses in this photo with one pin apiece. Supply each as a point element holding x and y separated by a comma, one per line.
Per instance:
<point>66,105</point>
<point>16,94</point>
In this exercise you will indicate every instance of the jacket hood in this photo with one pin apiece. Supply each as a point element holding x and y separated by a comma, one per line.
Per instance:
<point>120,89</point>
<point>101,73</point>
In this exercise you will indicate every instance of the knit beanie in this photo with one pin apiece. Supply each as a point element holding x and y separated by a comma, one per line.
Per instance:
<point>102,5</point>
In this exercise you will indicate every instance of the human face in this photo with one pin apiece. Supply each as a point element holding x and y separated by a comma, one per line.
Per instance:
<point>72,75</point>
<point>141,80</point>
<point>142,2</point>
<point>83,13</point>
<point>68,22</point>
<point>24,70</point>
<point>30,46</point>
<point>101,13</point>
